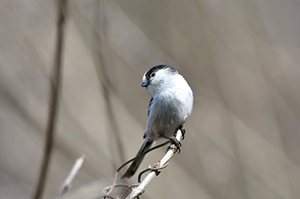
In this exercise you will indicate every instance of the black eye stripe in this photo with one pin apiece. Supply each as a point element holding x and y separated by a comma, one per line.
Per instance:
<point>149,72</point>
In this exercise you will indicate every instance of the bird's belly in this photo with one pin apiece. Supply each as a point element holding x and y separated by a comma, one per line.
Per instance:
<point>164,120</point>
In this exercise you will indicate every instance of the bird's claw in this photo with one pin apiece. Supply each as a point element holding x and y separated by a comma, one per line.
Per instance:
<point>182,129</point>
<point>175,144</point>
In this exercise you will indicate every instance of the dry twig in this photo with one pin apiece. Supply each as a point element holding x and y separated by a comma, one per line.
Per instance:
<point>65,186</point>
<point>169,154</point>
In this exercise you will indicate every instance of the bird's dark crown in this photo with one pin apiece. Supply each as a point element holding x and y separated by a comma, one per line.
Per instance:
<point>160,67</point>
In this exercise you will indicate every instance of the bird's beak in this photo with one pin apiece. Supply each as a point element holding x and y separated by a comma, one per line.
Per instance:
<point>145,84</point>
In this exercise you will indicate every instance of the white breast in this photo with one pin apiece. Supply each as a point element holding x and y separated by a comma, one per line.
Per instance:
<point>170,109</point>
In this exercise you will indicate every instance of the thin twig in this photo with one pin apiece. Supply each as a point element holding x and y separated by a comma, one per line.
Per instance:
<point>169,154</point>
<point>110,188</point>
<point>65,186</point>
<point>55,82</point>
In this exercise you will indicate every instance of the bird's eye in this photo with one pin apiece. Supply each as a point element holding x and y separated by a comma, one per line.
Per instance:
<point>152,74</point>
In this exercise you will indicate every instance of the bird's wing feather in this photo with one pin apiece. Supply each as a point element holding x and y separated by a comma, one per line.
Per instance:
<point>139,158</point>
<point>149,107</point>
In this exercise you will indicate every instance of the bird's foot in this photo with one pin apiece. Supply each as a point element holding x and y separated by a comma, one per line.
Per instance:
<point>175,144</point>
<point>182,129</point>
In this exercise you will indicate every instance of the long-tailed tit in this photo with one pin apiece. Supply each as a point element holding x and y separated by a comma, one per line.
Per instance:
<point>171,104</point>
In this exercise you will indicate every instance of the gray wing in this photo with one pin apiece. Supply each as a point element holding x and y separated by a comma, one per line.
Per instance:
<point>150,103</point>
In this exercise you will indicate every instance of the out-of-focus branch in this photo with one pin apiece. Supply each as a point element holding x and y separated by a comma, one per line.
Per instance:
<point>55,82</point>
<point>65,186</point>
<point>163,162</point>
<point>102,65</point>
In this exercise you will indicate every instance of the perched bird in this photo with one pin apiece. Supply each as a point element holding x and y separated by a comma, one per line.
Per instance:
<point>171,104</point>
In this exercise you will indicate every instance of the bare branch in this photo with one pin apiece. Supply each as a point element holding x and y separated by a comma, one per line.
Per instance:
<point>55,82</point>
<point>169,154</point>
<point>65,186</point>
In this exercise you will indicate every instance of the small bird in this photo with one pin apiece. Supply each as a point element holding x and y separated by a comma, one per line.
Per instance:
<point>170,105</point>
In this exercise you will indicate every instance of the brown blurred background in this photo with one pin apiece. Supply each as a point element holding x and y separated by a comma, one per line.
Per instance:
<point>241,57</point>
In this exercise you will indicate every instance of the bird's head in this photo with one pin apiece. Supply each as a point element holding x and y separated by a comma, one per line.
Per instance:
<point>158,78</point>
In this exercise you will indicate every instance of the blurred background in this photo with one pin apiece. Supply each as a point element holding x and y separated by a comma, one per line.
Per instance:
<point>241,58</point>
